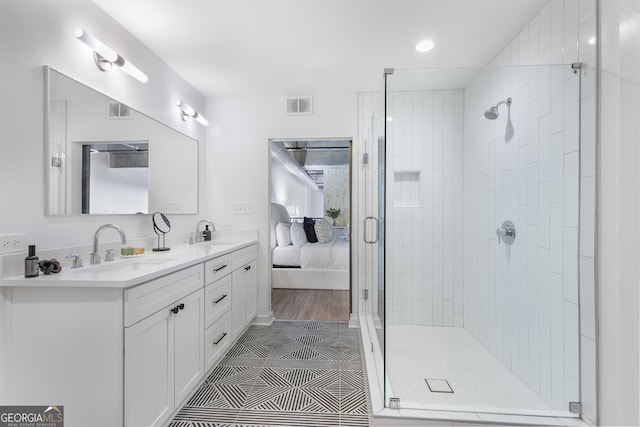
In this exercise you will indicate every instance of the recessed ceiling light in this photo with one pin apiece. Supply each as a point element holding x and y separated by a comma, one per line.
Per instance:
<point>425,46</point>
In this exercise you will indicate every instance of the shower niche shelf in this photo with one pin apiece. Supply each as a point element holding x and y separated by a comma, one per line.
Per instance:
<point>407,189</point>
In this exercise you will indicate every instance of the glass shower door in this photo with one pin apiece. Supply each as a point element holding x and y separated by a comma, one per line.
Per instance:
<point>374,235</point>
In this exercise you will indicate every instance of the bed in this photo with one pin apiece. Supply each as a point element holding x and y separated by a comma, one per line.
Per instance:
<point>305,265</point>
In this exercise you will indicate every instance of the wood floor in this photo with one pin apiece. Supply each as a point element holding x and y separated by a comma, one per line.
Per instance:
<point>310,304</point>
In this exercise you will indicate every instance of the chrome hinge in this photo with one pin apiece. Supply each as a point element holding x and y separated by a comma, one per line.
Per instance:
<point>372,347</point>
<point>365,158</point>
<point>575,408</point>
<point>365,294</point>
<point>56,162</point>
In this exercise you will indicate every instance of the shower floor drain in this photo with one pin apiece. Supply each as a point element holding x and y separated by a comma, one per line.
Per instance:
<point>438,385</point>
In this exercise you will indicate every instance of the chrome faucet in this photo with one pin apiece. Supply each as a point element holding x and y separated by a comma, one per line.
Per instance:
<point>198,233</point>
<point>95,256</point>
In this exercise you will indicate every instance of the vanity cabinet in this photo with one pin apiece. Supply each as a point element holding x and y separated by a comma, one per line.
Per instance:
<point>120,353</point>
<point>244,291</point>
<point>164,351</point>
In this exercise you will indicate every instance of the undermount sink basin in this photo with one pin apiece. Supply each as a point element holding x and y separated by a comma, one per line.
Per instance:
<point>123,265</point>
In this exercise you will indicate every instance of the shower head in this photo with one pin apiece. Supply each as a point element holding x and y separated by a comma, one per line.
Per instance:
<point>492,112</point>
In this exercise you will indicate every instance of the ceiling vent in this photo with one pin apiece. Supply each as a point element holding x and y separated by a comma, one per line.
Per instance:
<point>300,105</point>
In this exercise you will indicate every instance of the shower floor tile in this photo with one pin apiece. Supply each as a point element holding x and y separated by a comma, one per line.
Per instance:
<point>477,378</point>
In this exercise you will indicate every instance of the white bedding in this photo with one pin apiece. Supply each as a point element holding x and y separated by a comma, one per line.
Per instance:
<point>324,256</point>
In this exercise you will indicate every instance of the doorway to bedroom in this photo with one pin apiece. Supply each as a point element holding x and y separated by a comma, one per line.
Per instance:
<point>310,195</point>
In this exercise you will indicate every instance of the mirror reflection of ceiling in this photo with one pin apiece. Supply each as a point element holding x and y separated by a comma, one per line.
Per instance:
<point>319,154</point>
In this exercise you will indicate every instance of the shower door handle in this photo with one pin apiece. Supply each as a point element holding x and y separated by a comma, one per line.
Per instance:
<point>365,230</point>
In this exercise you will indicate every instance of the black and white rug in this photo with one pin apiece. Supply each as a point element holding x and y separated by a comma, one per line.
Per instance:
<point>292,373</point>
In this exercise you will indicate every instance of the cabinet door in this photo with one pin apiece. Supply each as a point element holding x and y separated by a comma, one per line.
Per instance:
<point>188,325</point>
<point>250,292</point>
<point>237,302</point>
<point>148,370</point>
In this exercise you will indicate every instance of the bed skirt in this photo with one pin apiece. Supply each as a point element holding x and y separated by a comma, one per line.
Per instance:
<point>297,278</point>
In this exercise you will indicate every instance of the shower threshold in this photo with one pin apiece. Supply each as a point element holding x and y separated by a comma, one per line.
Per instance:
<point>416,414</point>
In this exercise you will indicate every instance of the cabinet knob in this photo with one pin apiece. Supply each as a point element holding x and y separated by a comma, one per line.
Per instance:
<point>181,306</point>
<point>247,268</point>
<point>175,310</point>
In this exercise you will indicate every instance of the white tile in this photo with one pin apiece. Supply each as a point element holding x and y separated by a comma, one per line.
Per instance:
<point>556,40</point>
<point>571,389</point>
<point>570,34</point>
<point>556,168</point>
<point>427,103</point>
<point>571,114</point>
<point>544,216</point>
<point>571,189</point>
<point>556,237</point>
<point>532,257</point>
<point>534,131</point>
<point>588,390</point>
<point>544,331</point>
<point>545,29</point>
<point>543,148</point>
<point>437,306</point>
<point>522,176</point>
<point>570,265</point>
<point>571,340</point>
<point>588,137</point>
<point>587,216</point>
<point>587,297</point>
<point>556,307</point>
<point>532,194</point>
<point>534,39</point>
<point>587,8</point>
<point>556,98</point>
<point>557,378</point>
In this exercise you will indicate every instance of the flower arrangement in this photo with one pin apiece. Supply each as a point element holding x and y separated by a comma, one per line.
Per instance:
<point>333,214</point>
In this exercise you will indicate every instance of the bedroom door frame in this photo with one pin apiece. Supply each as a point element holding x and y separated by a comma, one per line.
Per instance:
<point>352,193</point>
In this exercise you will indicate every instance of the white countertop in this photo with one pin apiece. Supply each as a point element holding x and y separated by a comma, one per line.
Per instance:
<point>126,272</point>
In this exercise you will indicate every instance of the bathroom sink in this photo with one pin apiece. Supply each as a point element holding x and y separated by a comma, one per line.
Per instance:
<point>124,265</point>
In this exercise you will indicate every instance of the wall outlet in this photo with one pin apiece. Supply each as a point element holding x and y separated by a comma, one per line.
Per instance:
<point>243,208</point>
<point>12,243</point>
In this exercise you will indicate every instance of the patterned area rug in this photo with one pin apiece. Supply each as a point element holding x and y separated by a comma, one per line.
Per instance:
<point>292,373</point>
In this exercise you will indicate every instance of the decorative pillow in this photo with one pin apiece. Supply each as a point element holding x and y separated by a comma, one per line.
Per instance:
<point>298,236</point>
<point>283,237</point>
<point>323,231</point>
<point>308,224</point>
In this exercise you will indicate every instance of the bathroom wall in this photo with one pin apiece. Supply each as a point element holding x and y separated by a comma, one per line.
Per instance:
<point>238,161</point>
<point>35,33</point>
<point>521,301</point>
<point>618,249</point>
<point>424,206</point>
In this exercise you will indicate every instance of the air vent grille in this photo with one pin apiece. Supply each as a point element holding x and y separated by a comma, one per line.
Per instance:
<point>300,105</point>
<point>116,110</point>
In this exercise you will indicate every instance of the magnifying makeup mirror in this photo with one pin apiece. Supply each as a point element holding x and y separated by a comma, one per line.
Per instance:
<point>161,226</point>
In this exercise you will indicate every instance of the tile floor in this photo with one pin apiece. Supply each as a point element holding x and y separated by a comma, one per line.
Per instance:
<point>292,373</point>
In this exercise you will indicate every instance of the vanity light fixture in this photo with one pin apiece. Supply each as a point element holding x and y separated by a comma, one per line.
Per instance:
<point>105,57</point>
<point>186,112</point>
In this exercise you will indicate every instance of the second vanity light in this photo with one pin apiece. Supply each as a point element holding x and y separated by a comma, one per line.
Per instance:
<point>186,112</point>
<point>105,57</point>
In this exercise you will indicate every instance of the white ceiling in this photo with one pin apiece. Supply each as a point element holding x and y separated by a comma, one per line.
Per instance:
<point>301,47</point>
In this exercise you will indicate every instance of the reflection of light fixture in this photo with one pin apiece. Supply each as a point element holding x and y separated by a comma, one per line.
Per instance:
<point>105,57</point>
<point>186,112</point>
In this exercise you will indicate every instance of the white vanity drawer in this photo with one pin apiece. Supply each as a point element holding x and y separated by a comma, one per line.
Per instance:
<point>243,256</point>
<point>217,300</point>
<point>144,300</point>
<point>217,268</point>
<point>217,339</point>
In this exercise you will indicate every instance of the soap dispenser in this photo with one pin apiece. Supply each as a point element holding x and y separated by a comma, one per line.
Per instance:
<point>31,266</point>
<point>206,234</point>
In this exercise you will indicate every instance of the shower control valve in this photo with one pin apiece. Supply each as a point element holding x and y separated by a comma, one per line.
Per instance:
<point>507,233</point>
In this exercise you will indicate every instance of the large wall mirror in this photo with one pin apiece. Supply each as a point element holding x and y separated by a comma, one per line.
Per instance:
<point>102,157</point>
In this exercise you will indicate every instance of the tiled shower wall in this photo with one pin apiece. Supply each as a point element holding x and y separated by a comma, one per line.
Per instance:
<point>425,158</point>
<point>521,301</point>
